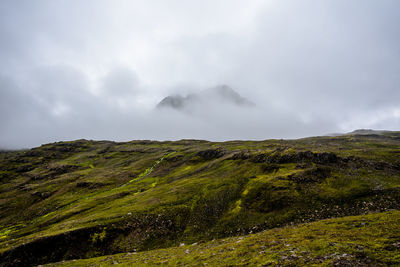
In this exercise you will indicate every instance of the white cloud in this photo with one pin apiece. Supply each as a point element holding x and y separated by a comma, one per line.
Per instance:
<point>96,69</point>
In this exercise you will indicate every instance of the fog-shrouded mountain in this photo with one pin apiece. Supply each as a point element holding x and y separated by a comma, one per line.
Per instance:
<point>221,94</point>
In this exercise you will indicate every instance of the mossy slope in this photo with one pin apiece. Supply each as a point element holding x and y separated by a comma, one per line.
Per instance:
<point>106,197</point>
<point>366,240</point>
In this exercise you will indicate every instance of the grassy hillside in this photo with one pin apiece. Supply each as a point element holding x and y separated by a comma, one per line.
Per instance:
<point>366,240</point>
<point>84,199</point>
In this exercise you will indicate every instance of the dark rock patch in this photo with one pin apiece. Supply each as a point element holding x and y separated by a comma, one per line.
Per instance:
<point>41,195</point>
<point>90,185</point>
<point>210,154</point>
<point>269,168</point>
<point>24,168</point>
<point>310,175</point>
<point>61,169</point>
<point>295,157</point>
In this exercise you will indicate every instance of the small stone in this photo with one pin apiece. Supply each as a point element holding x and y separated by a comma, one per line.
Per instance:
<point>181,244</point>
<point>187,251</point>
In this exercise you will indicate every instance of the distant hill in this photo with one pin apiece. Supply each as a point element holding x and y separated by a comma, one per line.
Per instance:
<point>221,94</point>
<point>361,132</point>
<point>367,132</point>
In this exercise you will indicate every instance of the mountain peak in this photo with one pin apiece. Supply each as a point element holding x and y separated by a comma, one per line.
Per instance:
<point>175,101</point>
<point>215,95</point>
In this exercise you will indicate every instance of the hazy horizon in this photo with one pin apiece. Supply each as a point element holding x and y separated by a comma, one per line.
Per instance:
<point>96,69</point>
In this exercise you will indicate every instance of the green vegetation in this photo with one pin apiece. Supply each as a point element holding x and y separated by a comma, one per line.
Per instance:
<point>107,197</point>
<point>367,240</point>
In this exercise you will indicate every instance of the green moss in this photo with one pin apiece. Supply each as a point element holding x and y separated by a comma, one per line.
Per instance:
<point>359,240</point>
<point>150,169</point>
<point>68,186</point>
<point>99,237</point>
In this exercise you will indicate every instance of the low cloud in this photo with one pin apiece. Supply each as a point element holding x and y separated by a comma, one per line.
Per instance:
<point>97,69</point>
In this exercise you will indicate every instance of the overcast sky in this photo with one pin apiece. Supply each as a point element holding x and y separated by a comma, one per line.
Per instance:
<point>96,69</point>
